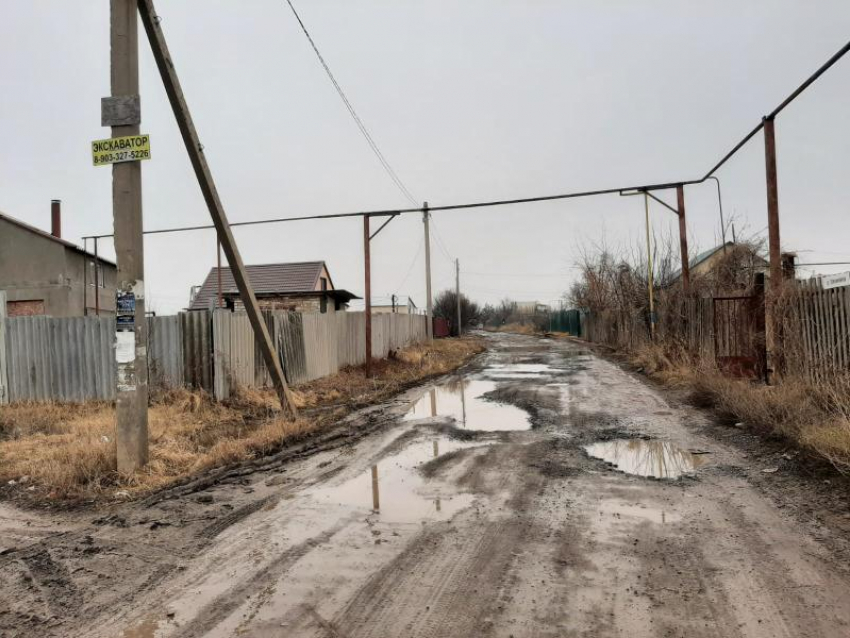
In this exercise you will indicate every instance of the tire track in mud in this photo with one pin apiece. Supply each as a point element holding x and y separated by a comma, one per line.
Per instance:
<point>215,612</point>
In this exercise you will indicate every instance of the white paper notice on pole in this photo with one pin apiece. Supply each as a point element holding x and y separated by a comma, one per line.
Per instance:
<point>125,346</point>
<point>836,281</point>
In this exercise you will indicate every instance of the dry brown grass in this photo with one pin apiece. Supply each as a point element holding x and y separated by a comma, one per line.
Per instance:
<point>68,451</point>
<point>813,416</point>
<point>518,328</point>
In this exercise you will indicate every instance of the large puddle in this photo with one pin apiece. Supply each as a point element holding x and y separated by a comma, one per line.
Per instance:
<point>463,400</point>
<point>395,489</point>
<point>654,459</point>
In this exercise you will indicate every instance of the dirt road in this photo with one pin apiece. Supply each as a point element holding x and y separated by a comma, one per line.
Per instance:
<point>543,491</point>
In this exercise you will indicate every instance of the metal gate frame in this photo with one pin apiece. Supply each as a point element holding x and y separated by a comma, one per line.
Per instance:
<point>748,357</point>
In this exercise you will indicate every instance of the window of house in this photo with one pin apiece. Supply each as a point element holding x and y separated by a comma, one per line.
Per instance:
<point>91,276</point>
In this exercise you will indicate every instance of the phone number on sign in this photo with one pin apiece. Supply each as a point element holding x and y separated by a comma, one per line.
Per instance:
<point>122,156</point>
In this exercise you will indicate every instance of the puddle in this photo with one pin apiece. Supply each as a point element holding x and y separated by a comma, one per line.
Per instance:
<point>656,459</point>
<point>462,399</point>
<point>396,491</point>
<point>520,371</point>
<point>520,368</point>
<point>146,629</point>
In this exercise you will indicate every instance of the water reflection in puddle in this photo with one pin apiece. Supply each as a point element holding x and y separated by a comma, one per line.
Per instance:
<point>463,399</point>
<point>656,459</point>
<point>396,490</point>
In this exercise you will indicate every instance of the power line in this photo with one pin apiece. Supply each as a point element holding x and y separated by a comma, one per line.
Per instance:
<point>373,145</point>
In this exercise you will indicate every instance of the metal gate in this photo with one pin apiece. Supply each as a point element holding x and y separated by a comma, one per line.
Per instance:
<point>739,341</point>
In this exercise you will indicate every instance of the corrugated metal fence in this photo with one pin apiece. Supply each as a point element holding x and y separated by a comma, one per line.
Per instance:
<point>72,359</point>
<point>311,345</point>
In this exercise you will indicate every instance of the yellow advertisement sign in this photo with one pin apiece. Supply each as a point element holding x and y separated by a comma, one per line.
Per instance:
<point>114,150</point>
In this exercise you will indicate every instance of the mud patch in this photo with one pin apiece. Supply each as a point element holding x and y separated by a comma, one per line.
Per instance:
<point>145,629</point>
<point>624,511</point>
<point>467,402</point>
<point>650,459</point>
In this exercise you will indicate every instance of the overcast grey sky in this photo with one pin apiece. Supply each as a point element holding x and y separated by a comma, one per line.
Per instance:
<point>468,100</point>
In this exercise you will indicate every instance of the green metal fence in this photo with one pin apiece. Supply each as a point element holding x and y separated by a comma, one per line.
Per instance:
<point>568,321</point>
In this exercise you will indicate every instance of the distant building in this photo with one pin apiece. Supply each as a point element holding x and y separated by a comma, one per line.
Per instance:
<point>43,274</point>
<point>299,286</point>
<point>388,304</point>
<point>530,307</point>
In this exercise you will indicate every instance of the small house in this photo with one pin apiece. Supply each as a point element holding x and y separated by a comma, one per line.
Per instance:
<point>304,286</point>
<point>43,274</point>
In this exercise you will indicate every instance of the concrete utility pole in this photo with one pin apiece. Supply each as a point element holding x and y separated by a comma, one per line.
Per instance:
<point>771,332</point>
<point>457,294</point>
<point>428,301</point>
<point>130,352</point>
<point>683,239</point>
<point>195,149</point>
<point>367,262</point>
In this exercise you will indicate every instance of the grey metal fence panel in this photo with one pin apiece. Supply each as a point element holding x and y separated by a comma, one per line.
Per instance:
<point>233,352</point>
<point>165,352</point>
<point>289,337</point>
<point>60,359</point>
<point>196,328</point>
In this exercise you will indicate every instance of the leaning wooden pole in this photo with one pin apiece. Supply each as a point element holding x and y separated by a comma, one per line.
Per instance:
<point>150,20</point>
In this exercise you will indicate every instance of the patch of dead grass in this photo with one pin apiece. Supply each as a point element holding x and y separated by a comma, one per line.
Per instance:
<point>518,328</point>
<point>67,451</point>
<point>812,415</point>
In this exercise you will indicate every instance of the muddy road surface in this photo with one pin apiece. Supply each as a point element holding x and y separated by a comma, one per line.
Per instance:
<point>541,491</point>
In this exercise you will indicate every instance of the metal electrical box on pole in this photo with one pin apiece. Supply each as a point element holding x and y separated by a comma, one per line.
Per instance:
<point>131,326</point>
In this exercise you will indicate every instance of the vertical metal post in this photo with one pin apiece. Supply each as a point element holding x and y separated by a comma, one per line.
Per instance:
<point>96,281</point>
<point>683,239</point>
<point>771,333</point>
<point>457,294</point>
<point>131,353</point>
<point>367,261</point>
<point>218,273</point>
<point>649,269</point>
<point>429,303</point>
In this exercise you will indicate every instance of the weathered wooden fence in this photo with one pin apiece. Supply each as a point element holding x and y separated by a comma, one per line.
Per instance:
<point>815,327</point>
<point>72,359</point>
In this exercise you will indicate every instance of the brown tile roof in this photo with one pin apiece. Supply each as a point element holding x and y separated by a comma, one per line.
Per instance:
<point>267,279</point>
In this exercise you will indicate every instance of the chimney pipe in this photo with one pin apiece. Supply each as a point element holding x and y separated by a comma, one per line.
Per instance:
<point>56,218</point>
